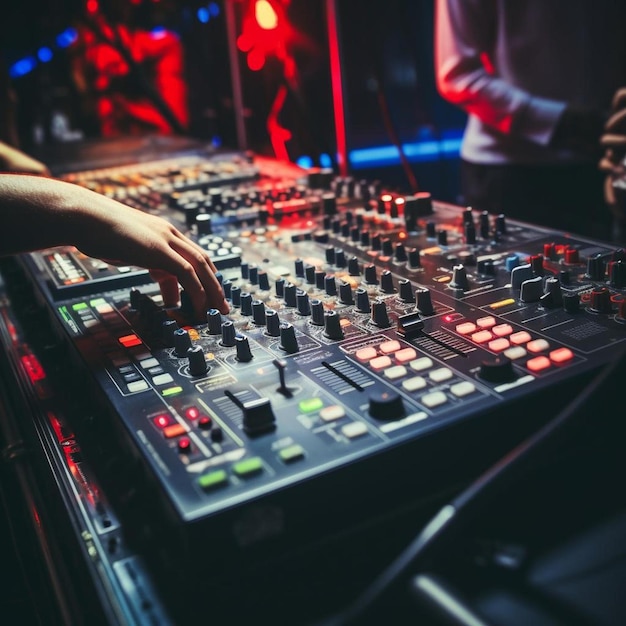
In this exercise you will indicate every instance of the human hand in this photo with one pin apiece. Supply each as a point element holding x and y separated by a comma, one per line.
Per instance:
<point>120,234</point>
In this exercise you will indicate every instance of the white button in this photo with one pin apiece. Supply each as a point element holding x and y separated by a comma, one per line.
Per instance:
<point>148,363</point>
<point>421,364</point>
<point>434,399</point>
<point>395,372</point>
<point>413,384</point>
<point>354,429</point>
<point>463,389</point>
<point>441,374</point>
<point>162,379</point>
<point>138,385</point>
<point>332,413</point>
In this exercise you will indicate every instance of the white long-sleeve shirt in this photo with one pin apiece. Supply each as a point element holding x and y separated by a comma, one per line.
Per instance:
<point>513,65</point>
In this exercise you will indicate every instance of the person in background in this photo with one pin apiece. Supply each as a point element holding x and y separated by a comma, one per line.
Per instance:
<point>537,80</point>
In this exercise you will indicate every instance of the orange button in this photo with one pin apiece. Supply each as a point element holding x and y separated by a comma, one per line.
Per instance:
<point>499,345</point>
<point>405,355</point>
<point>388,347</point>
<point>502,330</point>
<point>380,362</point>
<point>538,363</point>
<point>561,355</point>
<point>520,337</point>
<point>129,341</point>
<point>482,336</point>
<point>366,354</point>
<point>175,430</point>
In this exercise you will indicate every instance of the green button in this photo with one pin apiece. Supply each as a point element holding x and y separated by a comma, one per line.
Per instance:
<point>80,306</point>
<point>291,453</point>
<point>310,405</point>
<point>171,391</point>
<point>248,467</point>
<point>213,479</point>
<point>97,302</point>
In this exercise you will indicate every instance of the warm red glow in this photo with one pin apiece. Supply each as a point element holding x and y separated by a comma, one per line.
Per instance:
<point>192,413</point>
<point>265,15</point>
<point>92,6</point>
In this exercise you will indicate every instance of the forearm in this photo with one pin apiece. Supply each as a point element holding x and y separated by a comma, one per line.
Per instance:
<point>37,212</point>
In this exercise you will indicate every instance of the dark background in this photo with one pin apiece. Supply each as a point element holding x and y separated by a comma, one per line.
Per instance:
<point>389,87</point>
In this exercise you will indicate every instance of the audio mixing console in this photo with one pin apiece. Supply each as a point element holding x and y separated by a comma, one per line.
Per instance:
<point>372,335</point>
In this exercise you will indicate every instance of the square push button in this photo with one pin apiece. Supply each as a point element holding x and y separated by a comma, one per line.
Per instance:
<point>248,467</point>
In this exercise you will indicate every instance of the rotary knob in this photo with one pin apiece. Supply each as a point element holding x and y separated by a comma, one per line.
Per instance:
<point>497,369</point>
<point>386,405</point>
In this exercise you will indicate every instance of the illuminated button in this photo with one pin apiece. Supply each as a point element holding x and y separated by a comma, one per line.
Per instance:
<point>354,429</point>
<point>405,355</point>
<point>162,379</point>
<point>538,363</point>
<point>291,453</point>
<point>467,328</point>
<point>421,364</point>
<point>516,352</point>
<point>482,336</point>
<point>90,322</point>
<point>248,467</point>
<point>537,345</point>
<point>520,337</point>
<point>211,480</point>
<point>163,420</point>
<point>310,404</point>
<point>171,391</point>
<point>486,322</point>
<point>499,345</point>
<point>387,347</point>
<point>332,413</point>
<point>184,445</point>
<point>436,398</point>
<point>192,413</point>
<point>414,384</point>
<point>128,341</point>
<point>205,422</point>
<point>440,374</point>
<point>148,363</point>
<point>138,385</point>
<point>395,372</point>
<point>462,389</point>
<point>502,330</point>
<point>174,430</point>
<point>561,355</point>
<point>80,306</point>
<point>380,363</point>
<point>366,354</point>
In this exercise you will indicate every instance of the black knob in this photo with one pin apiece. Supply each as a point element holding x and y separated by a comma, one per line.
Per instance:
<point>354,268</point>
<point>290,295</point>
<point>345,293</point>
<point>197,362</point>
<point>288,341</point>
<point>340,258</point>
<point>279,287</point>
<point>386,282</point>
<point>253,275</point>
<point>379,314</point>
<point>264,281</point>
<point>406,290</point>
<point>244,268</point>
<point>400,253</point>
<point>386,405</point>
<point>235,295</point>
<point>309,273</point>
<point>228,333</point>
<point>497,369</point>
<point>501,224</point>
<point>370,275</point>
<point>442,237</point>
<point>214,321</point>
<point>424,303</point>
<point>414,258</point>
<point>242,349</point>
<point>362,300</point>
<point>600,301</point>
<point>302,302</point>
<point>258,312</point>
<point>320,275</point>
<point>182,342</point>
<point>387,246</point>
<point>246,303</point>
<point>227,287</point>
<point>317,312</point>
<point>330,285</point>
<point>459,278</point>
<point>484,225</point>
<point>332,325</point>
<point>203,223</point>
<point>272,323</point>
<point>299,268</point>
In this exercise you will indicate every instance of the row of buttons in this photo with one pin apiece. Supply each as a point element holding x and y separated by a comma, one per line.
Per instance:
<point>501,338</point>
<point>397,363</point>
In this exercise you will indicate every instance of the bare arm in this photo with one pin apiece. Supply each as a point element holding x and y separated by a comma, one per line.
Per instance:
<point>37,213</point>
